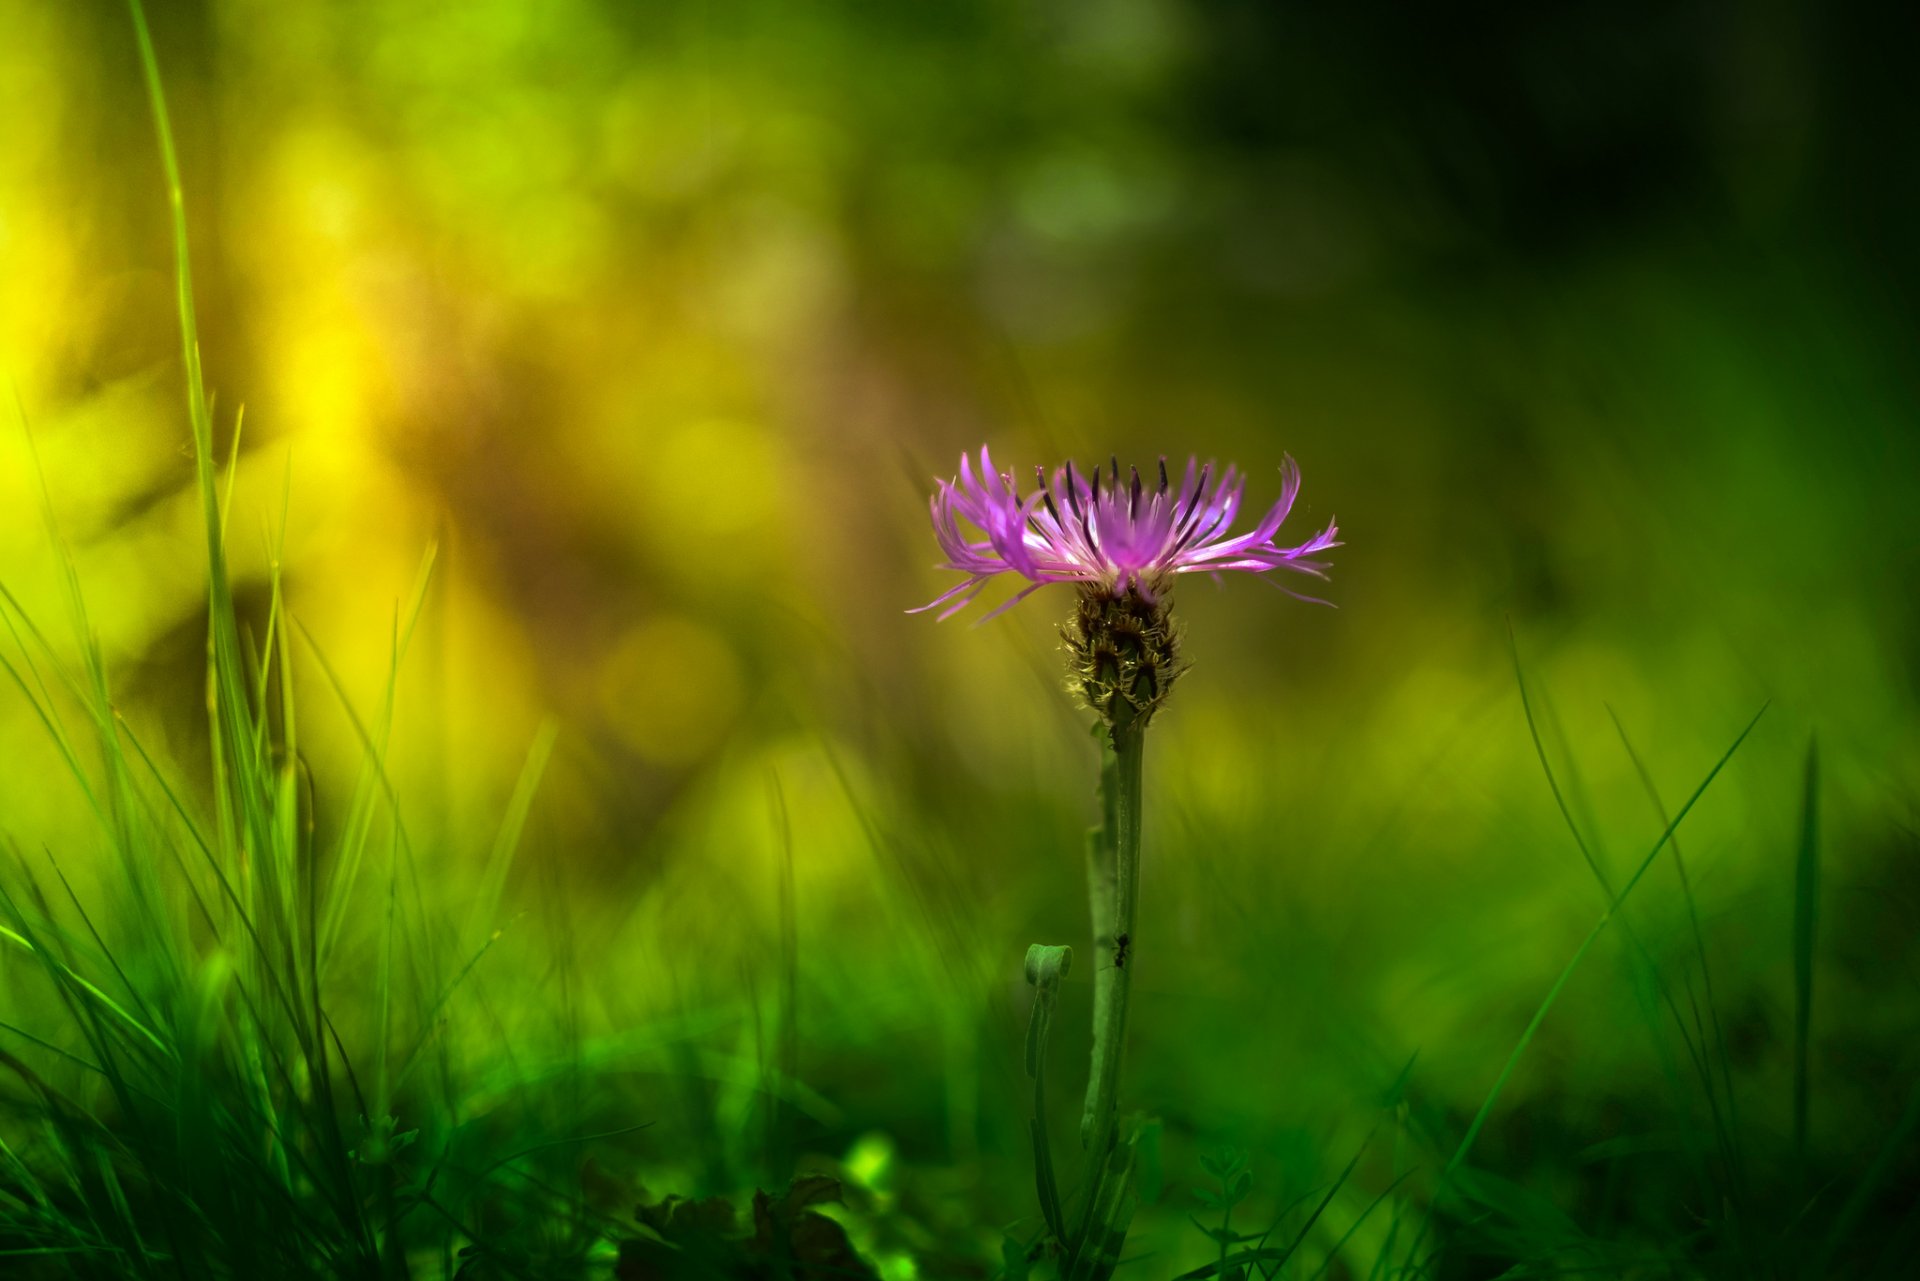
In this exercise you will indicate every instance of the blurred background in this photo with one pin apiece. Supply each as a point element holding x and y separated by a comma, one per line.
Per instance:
<point>1592,321</point>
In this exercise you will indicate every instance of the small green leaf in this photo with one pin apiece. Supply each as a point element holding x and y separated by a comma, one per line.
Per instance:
<point>1239,1186</point>
<point>1046,968</point>
<point>1013,1261</point>
<point>1208,1198</point>
<point>1223,1163</point>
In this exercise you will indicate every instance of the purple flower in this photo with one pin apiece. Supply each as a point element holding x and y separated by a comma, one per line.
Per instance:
<point>1117,536</point>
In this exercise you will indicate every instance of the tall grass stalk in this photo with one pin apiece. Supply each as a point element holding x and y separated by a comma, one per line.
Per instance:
<point>198,1105</point>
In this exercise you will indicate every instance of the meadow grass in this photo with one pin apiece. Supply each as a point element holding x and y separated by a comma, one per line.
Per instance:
<point>256,1082</point>
<point>263,1048</point>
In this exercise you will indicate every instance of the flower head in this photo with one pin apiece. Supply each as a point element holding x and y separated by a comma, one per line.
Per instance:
<point>1123,537</point>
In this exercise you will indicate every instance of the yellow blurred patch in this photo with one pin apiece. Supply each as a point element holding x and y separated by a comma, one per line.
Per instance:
<point>670,689</point>
<point>712,496</point>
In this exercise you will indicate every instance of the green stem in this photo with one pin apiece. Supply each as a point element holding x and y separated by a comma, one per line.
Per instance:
<point>1046,967</point>
<point>1113,882</point>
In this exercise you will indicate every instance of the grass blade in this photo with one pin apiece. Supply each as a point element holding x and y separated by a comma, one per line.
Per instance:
<point>1553,993</point>
<point>1806,911</point>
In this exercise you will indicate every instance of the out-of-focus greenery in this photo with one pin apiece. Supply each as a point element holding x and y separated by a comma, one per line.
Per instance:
<point>657,321</point>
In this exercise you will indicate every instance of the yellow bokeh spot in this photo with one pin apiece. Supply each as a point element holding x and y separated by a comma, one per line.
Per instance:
<point>670,689</point>
<point>712,491</point>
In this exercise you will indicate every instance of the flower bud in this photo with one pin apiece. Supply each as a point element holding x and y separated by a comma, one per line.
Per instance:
<point>1122,652</point>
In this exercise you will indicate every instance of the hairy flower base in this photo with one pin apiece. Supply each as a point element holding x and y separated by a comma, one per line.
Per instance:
<point>1123,655</point>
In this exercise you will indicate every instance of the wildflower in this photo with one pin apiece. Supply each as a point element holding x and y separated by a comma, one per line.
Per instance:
<point>1121,544</point>
<point>1117,536</point>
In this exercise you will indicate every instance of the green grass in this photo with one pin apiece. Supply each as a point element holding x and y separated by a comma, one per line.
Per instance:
<point>251,1012</point>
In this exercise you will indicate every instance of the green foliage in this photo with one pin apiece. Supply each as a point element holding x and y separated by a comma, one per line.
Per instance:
<point>1233,1183</point>
<point>253,1009</point>
<point>788,1240</point>
<point>1088,1246</point>
<point>1229,1170</point>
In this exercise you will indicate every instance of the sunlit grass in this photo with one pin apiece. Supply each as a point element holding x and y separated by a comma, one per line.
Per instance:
<point>254,1010</point>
